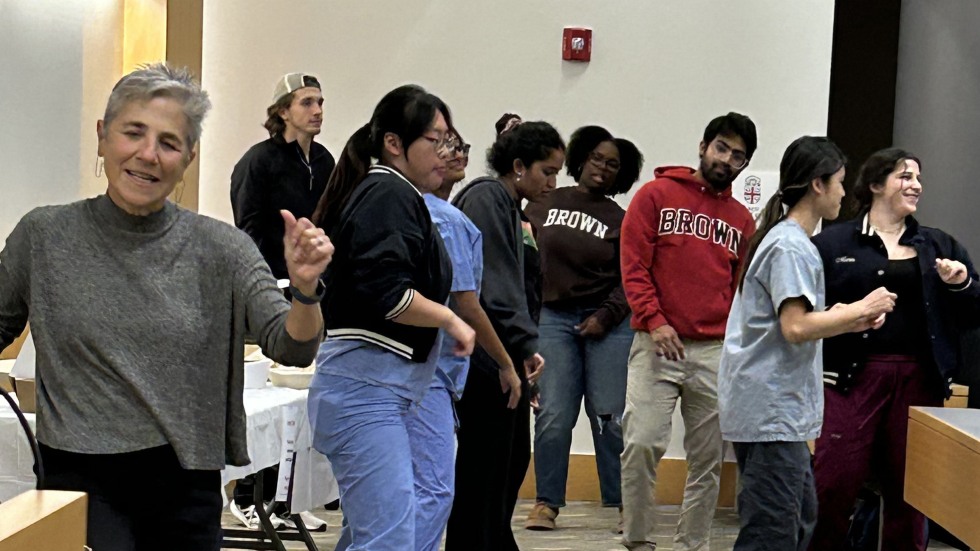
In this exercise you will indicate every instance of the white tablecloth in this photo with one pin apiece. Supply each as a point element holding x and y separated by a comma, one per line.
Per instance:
<point>277,425</point>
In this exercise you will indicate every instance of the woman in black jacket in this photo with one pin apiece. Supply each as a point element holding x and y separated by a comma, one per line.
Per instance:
<point>494,441</point>
<point>385,302</point>
<point>872,378</point>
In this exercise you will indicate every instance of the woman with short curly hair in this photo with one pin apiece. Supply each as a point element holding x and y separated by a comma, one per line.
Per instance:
<point>584,329</point>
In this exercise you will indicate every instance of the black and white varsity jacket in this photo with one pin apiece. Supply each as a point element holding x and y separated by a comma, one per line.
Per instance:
<point>387,250</point>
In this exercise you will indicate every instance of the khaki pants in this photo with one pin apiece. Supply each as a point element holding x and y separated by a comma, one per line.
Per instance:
<point>653,387</point>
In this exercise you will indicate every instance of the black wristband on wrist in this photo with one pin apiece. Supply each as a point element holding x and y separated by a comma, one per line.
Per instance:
<point>306,299</point>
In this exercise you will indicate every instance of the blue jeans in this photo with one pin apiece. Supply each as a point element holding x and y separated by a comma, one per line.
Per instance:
<point>579,367</point>
<point>361,428</point>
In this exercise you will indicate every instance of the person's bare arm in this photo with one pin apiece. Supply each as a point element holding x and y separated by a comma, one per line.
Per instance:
<point>468,307</point>
<point>799,324</point>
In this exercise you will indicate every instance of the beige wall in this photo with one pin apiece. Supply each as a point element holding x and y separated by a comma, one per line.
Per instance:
<point>58,62</point>
<point>659,72</point>
<point>57,65</point>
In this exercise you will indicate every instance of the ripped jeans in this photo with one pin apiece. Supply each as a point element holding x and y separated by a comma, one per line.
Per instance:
<point>578,367</point>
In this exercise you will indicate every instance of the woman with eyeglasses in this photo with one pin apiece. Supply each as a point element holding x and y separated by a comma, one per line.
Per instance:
<point>433,423</point>
<point>494,440</point>
<point>584,330</point>
<point>384,304</point>
<point>872,378</point>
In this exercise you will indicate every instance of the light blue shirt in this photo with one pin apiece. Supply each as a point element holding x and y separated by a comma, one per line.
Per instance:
<point>464,243</point>
<point>368,363</point>
<point>770,390</point>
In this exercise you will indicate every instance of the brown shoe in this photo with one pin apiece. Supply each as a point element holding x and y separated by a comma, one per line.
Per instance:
<point>541,517</point>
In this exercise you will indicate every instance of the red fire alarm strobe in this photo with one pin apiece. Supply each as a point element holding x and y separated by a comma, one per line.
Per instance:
<point>576,44</point>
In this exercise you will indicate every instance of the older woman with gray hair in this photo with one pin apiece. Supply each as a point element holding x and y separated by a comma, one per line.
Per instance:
<point>139,310</point>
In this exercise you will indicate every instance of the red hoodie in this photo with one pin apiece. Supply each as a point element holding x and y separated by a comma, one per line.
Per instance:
<point>682,245</point>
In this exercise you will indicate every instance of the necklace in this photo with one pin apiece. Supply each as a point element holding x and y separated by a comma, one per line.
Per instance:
<point>896,231</point>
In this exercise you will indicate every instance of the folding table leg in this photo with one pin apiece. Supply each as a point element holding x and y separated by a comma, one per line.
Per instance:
<point>304,533</point>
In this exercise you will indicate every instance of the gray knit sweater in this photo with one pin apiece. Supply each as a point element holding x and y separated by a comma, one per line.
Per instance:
<point>139,324</point>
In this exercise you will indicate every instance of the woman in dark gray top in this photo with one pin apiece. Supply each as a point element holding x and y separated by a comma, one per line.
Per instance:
<point>494,440</point>
<point>139,310</point>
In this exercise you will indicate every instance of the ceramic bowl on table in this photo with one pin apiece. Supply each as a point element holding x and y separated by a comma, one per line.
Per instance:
<point>292,377</point>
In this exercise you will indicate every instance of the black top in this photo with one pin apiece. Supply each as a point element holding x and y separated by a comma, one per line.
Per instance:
<point>578,236</point>
<point>271,176</point>
<point>504,295</point>
<point>855,260</point>
<point>386,250</point>
<point>904,331</point>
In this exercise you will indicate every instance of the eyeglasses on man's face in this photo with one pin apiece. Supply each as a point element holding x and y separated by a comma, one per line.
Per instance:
<point>735,158</point>
<point>458,147</point>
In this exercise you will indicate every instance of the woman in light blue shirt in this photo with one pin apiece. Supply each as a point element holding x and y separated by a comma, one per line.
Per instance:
<point>770,395</point>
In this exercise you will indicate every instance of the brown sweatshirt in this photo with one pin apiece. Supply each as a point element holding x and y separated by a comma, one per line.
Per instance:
<point>578,236</point>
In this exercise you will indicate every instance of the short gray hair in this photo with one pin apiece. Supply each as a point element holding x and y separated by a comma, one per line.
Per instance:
<point>160,80</point>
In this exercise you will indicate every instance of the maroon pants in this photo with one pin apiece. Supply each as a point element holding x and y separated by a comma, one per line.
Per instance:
<point>864,432</point>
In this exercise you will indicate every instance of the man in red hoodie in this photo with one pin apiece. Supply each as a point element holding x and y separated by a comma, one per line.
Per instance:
<point>682,242</point>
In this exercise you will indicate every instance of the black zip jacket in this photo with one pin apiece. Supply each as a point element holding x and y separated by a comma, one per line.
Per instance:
<point>386,250</point>
<point>855,259</point>
<point>504,297</point>
<point>274,175</point>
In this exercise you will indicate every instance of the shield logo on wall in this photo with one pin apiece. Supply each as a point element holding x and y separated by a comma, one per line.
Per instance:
<point>753,190</point>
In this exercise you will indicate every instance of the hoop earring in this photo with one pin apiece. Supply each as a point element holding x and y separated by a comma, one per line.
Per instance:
<point>99,166</point>
<point>178,192</point>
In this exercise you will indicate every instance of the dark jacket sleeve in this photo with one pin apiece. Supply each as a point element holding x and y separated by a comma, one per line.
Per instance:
<point>614,309</point>
<point>965,297</point>
<point>249,184</point>
<point>503,296</point>
<point>386,237</point>
<point>15,282</point>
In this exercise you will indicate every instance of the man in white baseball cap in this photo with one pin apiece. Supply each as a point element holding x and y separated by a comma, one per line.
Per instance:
<point>287,171</point>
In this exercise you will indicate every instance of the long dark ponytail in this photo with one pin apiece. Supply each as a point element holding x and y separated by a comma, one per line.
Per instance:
<point>805,160</point>
<point>349,171</point>
<point>407,112</point>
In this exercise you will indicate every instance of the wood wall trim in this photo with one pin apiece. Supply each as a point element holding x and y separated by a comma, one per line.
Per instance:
<point>583,481</point>
<point>185,32</point>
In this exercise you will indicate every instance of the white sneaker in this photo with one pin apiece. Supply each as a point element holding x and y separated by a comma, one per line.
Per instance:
<point>250,519</point>
<point>275,521</point>
<point>311,521</point>
<point>244,516</point>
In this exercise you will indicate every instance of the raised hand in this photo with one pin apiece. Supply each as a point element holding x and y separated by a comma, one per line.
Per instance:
<point>952,272</point>
<point>307,250</point>
<point>872,309</point>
